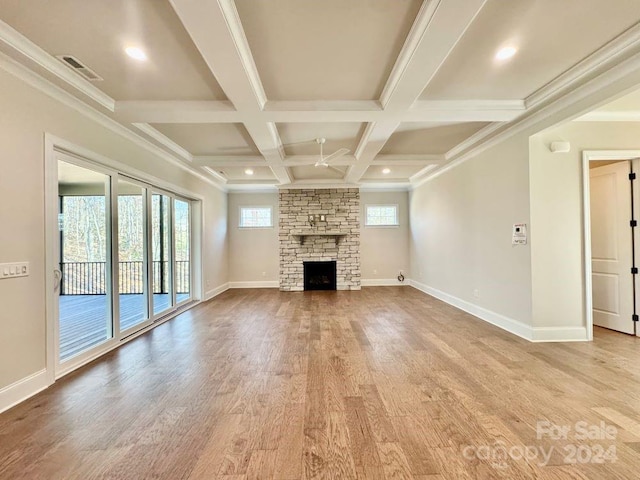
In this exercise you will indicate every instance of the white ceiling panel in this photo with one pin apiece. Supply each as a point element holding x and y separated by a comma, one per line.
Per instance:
<point>238,173</point>
<point>309,172</point>
<point>299,138</point>
<point>226,139</point>
<point>421,138</point>
<point>397,172</point>
<point>97,32</point>
<point>326,50</point>
<point>551,36</point>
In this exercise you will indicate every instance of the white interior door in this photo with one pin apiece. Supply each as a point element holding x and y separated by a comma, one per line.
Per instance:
<point>611,247</point>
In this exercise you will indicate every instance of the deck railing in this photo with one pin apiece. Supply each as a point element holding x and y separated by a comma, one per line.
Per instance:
<point>89,278</point>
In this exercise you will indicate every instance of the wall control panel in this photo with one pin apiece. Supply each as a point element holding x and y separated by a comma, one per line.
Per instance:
<point>12,270</point>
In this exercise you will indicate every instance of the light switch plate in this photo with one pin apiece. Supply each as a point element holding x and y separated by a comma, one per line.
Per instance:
<point>13,270</point>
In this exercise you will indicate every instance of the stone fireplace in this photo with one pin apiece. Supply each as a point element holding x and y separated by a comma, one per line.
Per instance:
<point>332,235</point>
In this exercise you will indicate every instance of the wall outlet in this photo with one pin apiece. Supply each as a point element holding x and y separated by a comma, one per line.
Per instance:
<point>375,272</point>
<point>12,270</point>
<point>476,293</point>
<point>264,274</point>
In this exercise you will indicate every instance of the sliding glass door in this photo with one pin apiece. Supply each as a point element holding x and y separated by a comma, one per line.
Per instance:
<point>84,307</point>
<point>161,253</point>
<point>133,287</point>
<point>182,237</point>
<point>124,257</point>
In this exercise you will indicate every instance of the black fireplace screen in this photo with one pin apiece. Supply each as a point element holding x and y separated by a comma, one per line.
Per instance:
<point>320,275</point>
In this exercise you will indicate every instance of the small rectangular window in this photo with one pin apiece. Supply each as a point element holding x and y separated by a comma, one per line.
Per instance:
<point>381,216</point>
<point>255,217</point>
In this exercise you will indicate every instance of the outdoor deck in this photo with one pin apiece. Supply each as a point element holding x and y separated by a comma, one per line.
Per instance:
<point>83,319</point>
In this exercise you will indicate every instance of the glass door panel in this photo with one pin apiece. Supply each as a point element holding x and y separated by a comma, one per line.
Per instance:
<point>182,239</point>
<point>132,249</point>
<point>161,253</point>
<point>84,316</point>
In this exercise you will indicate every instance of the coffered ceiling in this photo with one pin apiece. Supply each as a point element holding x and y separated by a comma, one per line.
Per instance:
<point>239,91</point>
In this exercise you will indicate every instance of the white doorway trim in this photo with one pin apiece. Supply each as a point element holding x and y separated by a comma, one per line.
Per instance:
<point>594,156</point>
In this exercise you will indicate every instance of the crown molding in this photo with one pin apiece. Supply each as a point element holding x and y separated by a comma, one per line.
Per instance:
<point>220,178</point>
<point>608,54</point>
<point>26,47</point>
<point>164,140</point>
<point>610,116</point>
<point>316,184</point>
<point>474,139</point>
<point>45,86</point>
<point>421,173</point>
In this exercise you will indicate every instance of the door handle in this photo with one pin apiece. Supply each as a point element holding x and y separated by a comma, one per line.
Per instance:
<point>57,278</point>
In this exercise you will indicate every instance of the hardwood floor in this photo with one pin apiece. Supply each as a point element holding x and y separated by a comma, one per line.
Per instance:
<point>382,383</point>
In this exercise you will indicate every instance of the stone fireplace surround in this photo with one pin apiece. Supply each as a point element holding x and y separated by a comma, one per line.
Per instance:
<point>341,208</point>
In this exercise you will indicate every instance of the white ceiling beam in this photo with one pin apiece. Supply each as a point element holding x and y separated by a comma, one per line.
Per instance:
<point>223,161</point>
<point>215,29</point>
<point>318,111</point>
<point>436,31</point>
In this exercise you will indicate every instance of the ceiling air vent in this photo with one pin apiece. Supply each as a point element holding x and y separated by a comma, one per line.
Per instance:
<point>77,66</point>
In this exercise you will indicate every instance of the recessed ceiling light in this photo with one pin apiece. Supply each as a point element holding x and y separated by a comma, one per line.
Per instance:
<point>386,170</point>
<point>136,53</point>
<point>506,53</point>
<point>248,171</point>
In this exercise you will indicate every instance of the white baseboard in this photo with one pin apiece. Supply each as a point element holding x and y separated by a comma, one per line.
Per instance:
<point>19,391</point>
<point>510,325</point>
<point>560,334</point>
<point>216,291</point>
<point>263,284</point>
<point>384,282</point>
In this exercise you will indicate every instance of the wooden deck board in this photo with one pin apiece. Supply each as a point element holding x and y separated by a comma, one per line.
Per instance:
<point>83,318</point>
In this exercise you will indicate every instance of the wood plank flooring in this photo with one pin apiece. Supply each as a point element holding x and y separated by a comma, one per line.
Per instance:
<point>382,383</point>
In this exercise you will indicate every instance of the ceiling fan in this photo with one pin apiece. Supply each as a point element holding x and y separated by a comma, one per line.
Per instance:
<point>324,161</point>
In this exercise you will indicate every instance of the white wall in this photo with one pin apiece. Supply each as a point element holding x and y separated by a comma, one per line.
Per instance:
<point>253,253</point>
<point>25,116</point>
<point>557,217</point>
<point>384,251</point>
<point>461,226</point>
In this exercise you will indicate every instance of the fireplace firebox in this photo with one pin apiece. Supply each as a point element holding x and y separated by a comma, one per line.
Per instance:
<point>320,275</point>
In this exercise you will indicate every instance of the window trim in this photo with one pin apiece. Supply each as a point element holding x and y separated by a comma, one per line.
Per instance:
<point>244,227</point>
<point>394,225</point>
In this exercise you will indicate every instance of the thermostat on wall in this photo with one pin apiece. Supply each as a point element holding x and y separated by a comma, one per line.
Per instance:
<point>519,236</point>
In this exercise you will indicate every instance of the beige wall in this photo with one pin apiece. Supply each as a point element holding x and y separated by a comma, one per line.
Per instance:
<point>557,254</point>
<point>25,116</point>
<point>461,226</point>
<point>253,253</point>
<point>384,251</point>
